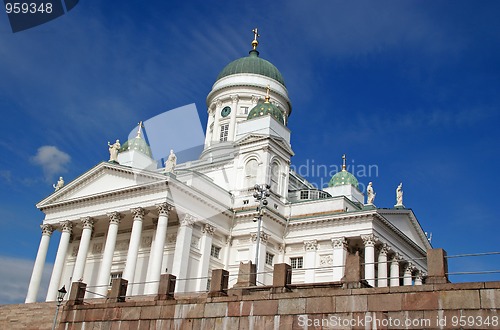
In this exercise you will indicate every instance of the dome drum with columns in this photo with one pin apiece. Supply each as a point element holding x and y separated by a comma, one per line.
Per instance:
<point>130,218</point>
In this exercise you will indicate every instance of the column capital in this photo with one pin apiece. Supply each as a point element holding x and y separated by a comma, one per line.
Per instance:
<point>187,220</point>
<point>369,240</point>
<point>234,98</point>
<point>229,240</point>
<point>218,103</point>
<point>114,217</point>
<point>281,248</point>
<point>208,229</point>
<point>163,209</point>
<point>311,245</point>
<point>46,229</point>
<point>66,226</point>
<point>88,222</point>
<point>396,257</point>
<point>263,237</point>
<point>138,213</point>
<point>409,267</point>
<point>384,249</point>
<point>339,243</point>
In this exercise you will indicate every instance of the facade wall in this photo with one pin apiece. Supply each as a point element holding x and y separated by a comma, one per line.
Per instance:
<point>427,306</point>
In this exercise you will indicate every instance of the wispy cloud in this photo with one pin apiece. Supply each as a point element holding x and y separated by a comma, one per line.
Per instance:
<point>52,160</point>
<point>15,274</point>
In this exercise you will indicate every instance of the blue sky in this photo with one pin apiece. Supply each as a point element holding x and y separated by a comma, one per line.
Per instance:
<point>408,86</point>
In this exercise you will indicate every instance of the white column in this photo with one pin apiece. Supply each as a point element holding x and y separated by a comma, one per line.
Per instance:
<point>339,257</point>
<point>36,276</point>
<point>133,247</point>
<point>310,260</point>
<point>216,134</point>
<point>418,278</point>
<point>395,270</point>
<point>55,279</point>
<point>83,248</point>
<point>232,120</point>
<point>382,266</point>
<point>205,247</point>
<point>262,255</point>
<point>281,253</point>
<point>109,251</point>
<point>182,251</point>
<point>210,122</point>
<point>157,249</point>
<point>407,275</point>
<point>229,243</point>
<point>369,242</point>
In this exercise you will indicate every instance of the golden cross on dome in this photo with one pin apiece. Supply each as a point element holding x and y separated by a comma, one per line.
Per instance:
<point>256,34</point>
<point>139,129</point>
<point>267,93</point>
<point>343,162</point>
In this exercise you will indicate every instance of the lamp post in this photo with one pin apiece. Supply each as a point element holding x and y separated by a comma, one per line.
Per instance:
<point>60,297</point>
<point>260,194</point>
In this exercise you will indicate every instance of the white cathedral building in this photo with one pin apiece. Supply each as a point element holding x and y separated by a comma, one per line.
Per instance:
<point>128,218</point>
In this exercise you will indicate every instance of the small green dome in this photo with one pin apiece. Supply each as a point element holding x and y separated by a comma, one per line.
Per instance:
<point>266,108</point>
<point>343,178</point>
<point>138,144</point>
<point>252,64</point>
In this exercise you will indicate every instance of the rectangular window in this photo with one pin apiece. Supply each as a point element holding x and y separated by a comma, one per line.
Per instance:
<point>297,262</point>
<point>215,251</point>
<point>224,132</point>
<point>304,194</point>
<point>244,110</point>
<point>269,258</point>
<point>208,284</point>
<point>115,276</point>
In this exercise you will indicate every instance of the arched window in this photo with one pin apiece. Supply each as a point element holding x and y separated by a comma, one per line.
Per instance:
<point>251,172</point>
<point>275,175</point>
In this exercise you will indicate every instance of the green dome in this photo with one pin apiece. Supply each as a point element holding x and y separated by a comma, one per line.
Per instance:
<point>266,108</point>
<point>252,64</point>
<point>343,178</point>
<point>138,144</point>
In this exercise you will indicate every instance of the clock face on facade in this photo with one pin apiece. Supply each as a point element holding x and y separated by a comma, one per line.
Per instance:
<point>225,111</point>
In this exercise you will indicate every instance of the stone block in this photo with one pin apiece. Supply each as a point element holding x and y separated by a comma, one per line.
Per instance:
<point>112,314</point>
<point>166,287</point>
<point>167,311</point>
<point>285,322</point>
<point>216,310</point>
<point>131,313</point>
<point>282,275</point>
<point>347,304</point>
<point>150,312</point>
<point>189,311</point>
<point>93,315</point>
<point>118,290</point>
<point>420,301</point>
<point>465,299</point>
<point>385,302</point>
<point>437,266</point>
<point>490,298</point>
<point>76,293</point>
<point>219,282</point>
<point>292,306</point>
<point>265,307</point>
<point>320,305</point>
<point>246,275</point>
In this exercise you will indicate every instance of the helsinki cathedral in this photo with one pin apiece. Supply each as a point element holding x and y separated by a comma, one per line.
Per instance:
<point>240,201</point>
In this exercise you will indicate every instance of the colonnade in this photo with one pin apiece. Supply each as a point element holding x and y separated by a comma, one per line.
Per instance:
<point>181,254</point>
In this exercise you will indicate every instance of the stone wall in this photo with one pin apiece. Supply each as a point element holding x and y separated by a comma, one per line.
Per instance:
<point>36,316</point>
<point>467,305</point>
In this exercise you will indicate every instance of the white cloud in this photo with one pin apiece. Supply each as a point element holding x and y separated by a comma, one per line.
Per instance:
<point>15,274</point>
<point>52,160</point>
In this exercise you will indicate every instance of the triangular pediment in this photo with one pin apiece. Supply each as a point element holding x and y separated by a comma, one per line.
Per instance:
<point>406,222</point>
<point>102,179</point>
<point>254,138</point>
